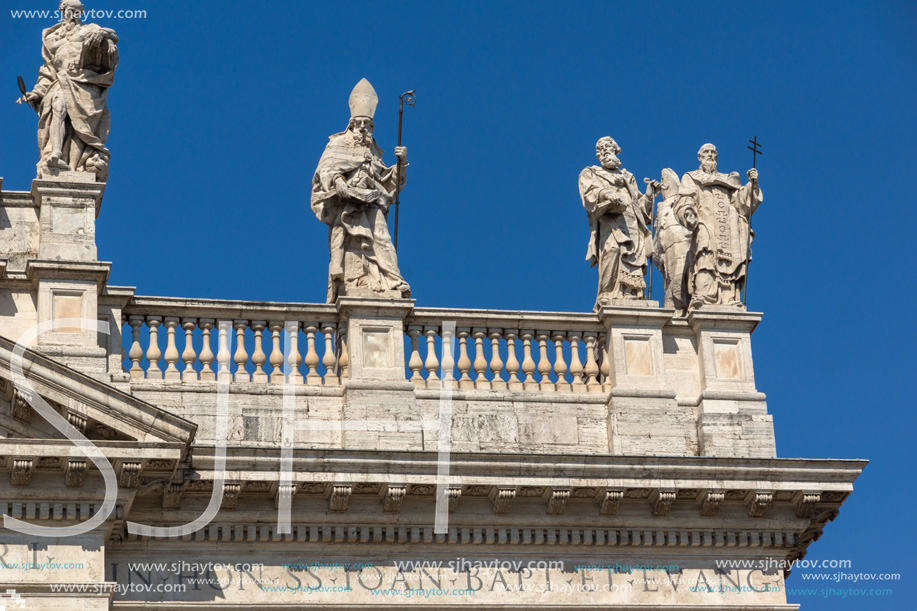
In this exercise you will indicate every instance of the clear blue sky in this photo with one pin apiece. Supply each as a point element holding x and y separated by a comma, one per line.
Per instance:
<point>221,111</point>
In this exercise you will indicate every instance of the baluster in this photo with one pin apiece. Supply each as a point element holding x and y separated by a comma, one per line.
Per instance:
<point>312,361</point>
<point>415,363</point>
<point>464,363</point>
<point>136,352</point>
<point>259,358</point>
<point>544,364</point>
<point>207,374</point>
<point>344,358</point>
<point>592,365</point>
<point>276,358</point>
<point>480,363</point>
<point>328,360</point>
<point>294,360</point>
<point>171,355</point>
<point>512,363</point>
<point>241,356</point>
<point>528,365</point>
<point>496,365</point>
<point>448,360</point>
<point>223,355</point>
<point>432,363</point>
<point>606,364</point>
<point>188,355</point>
<point>153,372</point>
<point>120,330</point>
<point>576,365</point>
<point>560,366</point>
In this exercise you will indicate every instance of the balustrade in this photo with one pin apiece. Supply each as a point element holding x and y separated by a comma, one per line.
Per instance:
<point>241,354</point>
<point>258,343</point>
<point>564,353</point>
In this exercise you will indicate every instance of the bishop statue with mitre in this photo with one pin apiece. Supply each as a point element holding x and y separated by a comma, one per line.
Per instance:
<point>351,192</point>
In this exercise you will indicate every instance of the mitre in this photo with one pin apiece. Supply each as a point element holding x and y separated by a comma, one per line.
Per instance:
<point>363,100</point>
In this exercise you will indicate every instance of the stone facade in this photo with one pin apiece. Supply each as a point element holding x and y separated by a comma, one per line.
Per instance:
<point>370,452</point>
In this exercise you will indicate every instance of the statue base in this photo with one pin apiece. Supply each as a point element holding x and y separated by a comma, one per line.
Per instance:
<point>48,173</point>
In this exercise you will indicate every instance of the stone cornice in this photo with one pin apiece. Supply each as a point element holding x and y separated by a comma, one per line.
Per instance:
<point>37,269</point>
<point>96,400</point>
<point>548,469</point>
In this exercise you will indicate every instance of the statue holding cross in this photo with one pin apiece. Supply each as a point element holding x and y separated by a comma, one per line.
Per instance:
<point>716,266</point>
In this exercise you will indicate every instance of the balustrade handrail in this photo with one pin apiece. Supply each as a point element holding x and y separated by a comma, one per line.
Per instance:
<point>506,319</point>
<point>226,309</point>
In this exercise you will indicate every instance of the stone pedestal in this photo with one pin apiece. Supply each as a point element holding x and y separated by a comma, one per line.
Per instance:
<point>732,414</point>
<point>379,409</point>
<point>67,213</point>
<point>634,335</point>
<point>641,398</point>
<point>66,274</point>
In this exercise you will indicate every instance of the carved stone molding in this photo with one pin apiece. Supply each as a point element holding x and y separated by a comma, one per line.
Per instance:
<point>340,495</point>
<point>710,506</point>
<point>78,421</point>
<point>757,504</point>
<point>423,490</point>
<point>625,538</point>
<point>21,410</point>
<point>805,504</point>
<point>502,499</point>
<point>76,471</point>
<point>157,464</point>
<point>609,499</point>
<point>171,496</point>
<point>22,472</point>
<point>105,432</point>
<point>283,491</point>
<point>453,495</point>
<point>231,492</point>
<point>393,497</point>
<point>130,474</point>
<point>662,500</point>
<point>556,499</point>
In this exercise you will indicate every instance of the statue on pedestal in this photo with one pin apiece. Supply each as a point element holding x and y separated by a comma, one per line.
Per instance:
<point>717,263</point>
<point>675,221</point>
<point>71,94</point>
<point>619,239</point>
<point>351,192</point>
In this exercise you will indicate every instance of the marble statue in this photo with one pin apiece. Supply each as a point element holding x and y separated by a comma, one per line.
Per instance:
<point>675,221</point>
<point>718,259</point>
<point>619,239</point>
<point>351,192</point>
<point>71,94</point>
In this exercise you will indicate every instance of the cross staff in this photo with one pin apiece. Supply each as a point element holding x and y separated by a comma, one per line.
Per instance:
<point>755,151</point>
<point>406,98</point>
<point>651,189</point>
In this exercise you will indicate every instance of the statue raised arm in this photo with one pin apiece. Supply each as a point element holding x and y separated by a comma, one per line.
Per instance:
<point>720,249</point>
<point>71,94</point>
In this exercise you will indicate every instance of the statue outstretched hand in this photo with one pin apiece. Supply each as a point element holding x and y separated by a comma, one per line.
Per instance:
<point>752,175</point>
<point>28,98</point>
<point>401,152</point>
